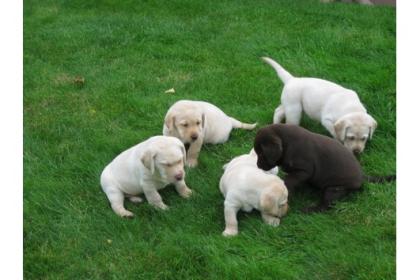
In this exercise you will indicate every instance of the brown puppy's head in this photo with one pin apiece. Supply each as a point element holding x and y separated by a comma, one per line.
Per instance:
<point>188,123</point>
<point>269,148</point>
<point>353,130</point>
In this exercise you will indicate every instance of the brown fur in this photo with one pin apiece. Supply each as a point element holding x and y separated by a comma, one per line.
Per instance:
<point>308,158</point>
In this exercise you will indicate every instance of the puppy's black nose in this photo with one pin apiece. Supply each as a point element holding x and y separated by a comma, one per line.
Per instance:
<point>179,177</point>
<point>194,137</point>
<point>356,151</point>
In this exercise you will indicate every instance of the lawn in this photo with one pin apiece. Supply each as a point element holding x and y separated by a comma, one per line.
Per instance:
<point>95,76</point>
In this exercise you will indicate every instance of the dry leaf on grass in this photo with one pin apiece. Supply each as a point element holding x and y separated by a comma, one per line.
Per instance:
<point>172,90</point>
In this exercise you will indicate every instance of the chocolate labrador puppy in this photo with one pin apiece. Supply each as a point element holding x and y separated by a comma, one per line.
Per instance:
<point>309,158</point>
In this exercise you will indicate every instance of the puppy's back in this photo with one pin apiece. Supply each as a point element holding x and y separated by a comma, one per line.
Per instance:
<point>329,162</point>
<point>245,176</point>
<point>337,165</point>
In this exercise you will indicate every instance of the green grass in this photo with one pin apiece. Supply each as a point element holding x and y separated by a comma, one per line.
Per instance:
<point>129,53</point>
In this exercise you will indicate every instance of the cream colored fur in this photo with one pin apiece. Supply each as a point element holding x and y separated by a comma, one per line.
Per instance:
<point>246,187</point>
<point>198,122</point>
<point>337,108</point>
<point>145,169</point>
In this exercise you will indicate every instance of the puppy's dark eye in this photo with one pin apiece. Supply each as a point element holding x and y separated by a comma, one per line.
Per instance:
<point>351,138</point>
<point>198,123</point>
<point>168,164</point>
<point>185,125</point>
<point>363,138</point>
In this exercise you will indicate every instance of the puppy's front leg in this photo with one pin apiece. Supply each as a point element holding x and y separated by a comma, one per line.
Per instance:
<point>231,228</point>
<point>153,197</point>
<point>292,180</point>
<point>182,189</point>
<point>270,220</point>
<point>194,151</point>
<point>329,125</point>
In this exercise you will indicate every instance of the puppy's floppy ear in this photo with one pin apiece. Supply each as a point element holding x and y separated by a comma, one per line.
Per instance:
<point>372,127</point>
<point>203,119</point>
<point>282,202</point>
<point>273,149</point>
<point>268,201</point>
<point>340,128</point>
<point>170,121</point>
<point>148,159</point>
<point>284,194</point>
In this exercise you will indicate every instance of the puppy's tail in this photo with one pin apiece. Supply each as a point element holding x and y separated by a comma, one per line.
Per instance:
<point>379,179</point>
<point>281,72</point>
<point>238,124</point>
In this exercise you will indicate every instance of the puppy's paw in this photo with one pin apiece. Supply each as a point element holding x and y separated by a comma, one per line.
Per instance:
<point>230,232</point>
<point>185,193</point>
<point>161,206</point>
<point>135,199</point>
<point>192,162</point>
<point>272,221</point>
<point>126,214</point>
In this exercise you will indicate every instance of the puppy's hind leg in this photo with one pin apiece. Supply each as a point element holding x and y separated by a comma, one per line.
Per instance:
<point>114,194</point>
<point>116,198</point>
<point>293,114</point>
<point>279,115</point>
<point>231,228</point>
<point>329,196</point>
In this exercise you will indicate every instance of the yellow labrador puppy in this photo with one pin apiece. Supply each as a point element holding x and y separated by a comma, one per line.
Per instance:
<point>246,187</point>
<point>198,122</point>
<point>145,168</point>
<point>337,108</point>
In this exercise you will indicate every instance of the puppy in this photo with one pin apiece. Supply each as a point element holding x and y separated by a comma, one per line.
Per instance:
<point>309,158</point>
<point>246,187</point>
<point>198,122</point>
<point>145,168</point>
<point>338,109</point>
